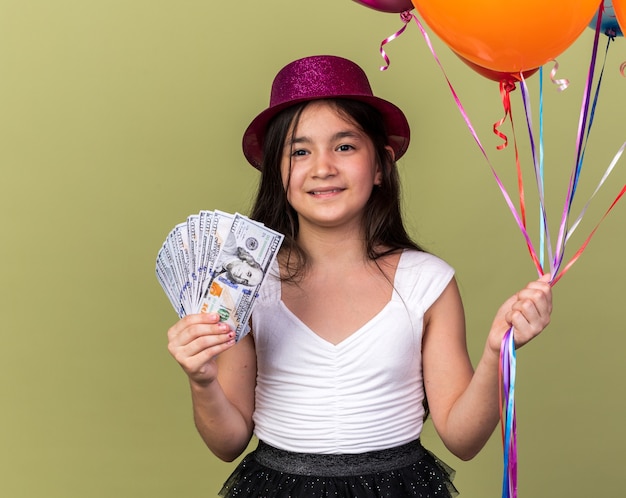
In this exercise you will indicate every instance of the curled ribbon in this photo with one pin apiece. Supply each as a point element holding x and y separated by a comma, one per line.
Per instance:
<point>506,87</point>
<point>406,17</point>
<point>561,83</point>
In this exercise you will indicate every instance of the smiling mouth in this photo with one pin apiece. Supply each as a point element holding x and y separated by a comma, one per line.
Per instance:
<point>329,191</point>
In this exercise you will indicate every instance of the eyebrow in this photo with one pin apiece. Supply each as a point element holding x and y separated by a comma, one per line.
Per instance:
<point>337,136</point>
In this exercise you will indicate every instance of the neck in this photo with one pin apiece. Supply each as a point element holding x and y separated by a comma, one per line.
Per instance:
<point>333,246</point>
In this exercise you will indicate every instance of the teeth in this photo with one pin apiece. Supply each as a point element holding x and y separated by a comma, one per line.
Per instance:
<point>325,191</point>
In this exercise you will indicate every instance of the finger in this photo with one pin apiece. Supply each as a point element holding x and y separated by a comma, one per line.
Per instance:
<point>198,362</point>
<point>200,336</point>
<point>538,285</point>
<point>546,277</point>
<point>194,354</point>
<point>206,341</point>
<point>529,319</point>
<point>204,356</point>
<point>540,292</point>
<point>524,313</point>
<point>190,321</point>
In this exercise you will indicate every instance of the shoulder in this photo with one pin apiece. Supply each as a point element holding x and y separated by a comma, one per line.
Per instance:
<point>423,261</point>
<point>422,277</point>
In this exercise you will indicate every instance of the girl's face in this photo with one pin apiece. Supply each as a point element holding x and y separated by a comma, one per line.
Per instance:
<point>329,169</point>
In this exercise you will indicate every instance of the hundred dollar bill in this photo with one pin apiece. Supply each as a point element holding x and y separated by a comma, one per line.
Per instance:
<point>164,275</point>
<point>178,243</point>
<point>193,226</point>
<point>181,265</point>
<point>221,225</point>
<point>216,232</point>
<point>168,275</point>
<point>202,254</point>
<point>244,257</point>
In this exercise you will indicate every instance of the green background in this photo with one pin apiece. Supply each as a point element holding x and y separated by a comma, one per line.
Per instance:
<point>119,118</point>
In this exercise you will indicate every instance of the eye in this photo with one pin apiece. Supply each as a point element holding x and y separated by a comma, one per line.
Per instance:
<point>299,152</point>
<point>345,147</point>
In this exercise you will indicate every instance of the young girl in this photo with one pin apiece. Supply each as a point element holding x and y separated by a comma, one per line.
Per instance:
<point>357,328</point>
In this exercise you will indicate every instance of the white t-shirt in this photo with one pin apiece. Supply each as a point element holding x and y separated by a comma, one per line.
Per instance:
<point>363,394</point>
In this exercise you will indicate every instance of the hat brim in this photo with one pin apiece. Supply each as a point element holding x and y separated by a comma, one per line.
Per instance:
<point>396,125</point>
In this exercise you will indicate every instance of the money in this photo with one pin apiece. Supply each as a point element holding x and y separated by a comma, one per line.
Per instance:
<point>217,262</point>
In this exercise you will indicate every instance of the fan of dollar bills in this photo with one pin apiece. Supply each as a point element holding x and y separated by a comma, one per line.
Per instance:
<point>216,262</point>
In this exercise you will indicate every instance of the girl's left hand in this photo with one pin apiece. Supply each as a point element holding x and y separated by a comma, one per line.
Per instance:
<point>528,312</point>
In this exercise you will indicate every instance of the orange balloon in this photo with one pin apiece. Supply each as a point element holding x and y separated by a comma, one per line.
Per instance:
<point>619,6</point>
<point>508,36</point>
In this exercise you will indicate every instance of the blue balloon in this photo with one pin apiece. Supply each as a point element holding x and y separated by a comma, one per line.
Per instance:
<point>608,25</point>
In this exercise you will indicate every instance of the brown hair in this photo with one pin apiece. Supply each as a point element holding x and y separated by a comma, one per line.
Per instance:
<point>382,221</point>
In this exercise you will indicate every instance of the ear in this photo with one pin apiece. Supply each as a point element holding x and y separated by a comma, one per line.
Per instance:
<point>378,179</point>
<point>389,149</point>
<point>378,176</point>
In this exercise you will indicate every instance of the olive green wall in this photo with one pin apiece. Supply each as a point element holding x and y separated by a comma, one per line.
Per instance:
<point>119,118</point>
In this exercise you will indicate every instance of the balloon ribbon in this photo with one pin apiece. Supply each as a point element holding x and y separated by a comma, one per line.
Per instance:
<point>507,366</point>
<point>506,377</point>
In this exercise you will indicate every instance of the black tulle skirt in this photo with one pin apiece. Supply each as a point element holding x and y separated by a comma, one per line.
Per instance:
<point>408,470</point>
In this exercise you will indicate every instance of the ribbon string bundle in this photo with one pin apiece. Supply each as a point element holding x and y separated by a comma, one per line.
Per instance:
<point>509,74</point>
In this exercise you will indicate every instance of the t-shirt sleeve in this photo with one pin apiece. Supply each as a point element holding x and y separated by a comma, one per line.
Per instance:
<point>421,278</point>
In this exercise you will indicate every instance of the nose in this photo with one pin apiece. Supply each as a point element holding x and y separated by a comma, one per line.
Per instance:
<point>323,165</point>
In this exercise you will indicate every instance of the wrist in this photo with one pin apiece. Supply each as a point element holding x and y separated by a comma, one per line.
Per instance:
<point>202,385</point>
<point>491,352</point>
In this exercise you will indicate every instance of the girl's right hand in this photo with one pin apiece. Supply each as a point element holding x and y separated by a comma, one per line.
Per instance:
<point>195,341</point>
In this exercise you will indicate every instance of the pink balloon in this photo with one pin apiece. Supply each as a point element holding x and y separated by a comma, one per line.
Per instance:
<point>387,5</point>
